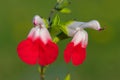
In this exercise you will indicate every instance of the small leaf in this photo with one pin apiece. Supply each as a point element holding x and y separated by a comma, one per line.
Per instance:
<point>59,1</point>
<point>56,21</point>
<point>55,27</point>
<point>65,10</point>
<point>62,4</point>
<point>67,77</point>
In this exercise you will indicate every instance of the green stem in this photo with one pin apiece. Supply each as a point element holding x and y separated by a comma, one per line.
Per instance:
<point>42,75</point>
<point>52,14</point>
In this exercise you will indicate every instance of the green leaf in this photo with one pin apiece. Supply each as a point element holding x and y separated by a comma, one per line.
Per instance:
<point>67,77</point>
<point>59,1</point>
<point>55,27</point>
<point>62,4</point>
<point>56,20</point>
<point>65,10</point>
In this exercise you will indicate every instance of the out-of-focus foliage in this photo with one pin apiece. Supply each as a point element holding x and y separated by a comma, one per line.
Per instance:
<point>103,51</point>
<point>67,77</point>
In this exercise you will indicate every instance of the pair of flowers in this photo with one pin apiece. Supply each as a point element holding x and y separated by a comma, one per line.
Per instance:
<point>39,47</point>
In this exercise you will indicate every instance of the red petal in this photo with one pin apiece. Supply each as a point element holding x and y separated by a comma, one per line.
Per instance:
<point>48,53</point>
<point>52,52</point>
<point>79,55</point>
<point>28,52</point>
<point>32,52</point>
<point>76,53</point>
<point>68,52</point>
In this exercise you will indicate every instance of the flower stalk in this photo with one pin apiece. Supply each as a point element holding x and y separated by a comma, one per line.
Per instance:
<point>50,16</point>
<point>52,12</point>
<point>42,75</point>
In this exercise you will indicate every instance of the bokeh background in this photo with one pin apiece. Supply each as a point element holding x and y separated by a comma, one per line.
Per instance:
<point>103,51</point>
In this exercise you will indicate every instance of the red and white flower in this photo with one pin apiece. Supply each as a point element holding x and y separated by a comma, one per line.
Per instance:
<point>76,49</point>
<point>38,47</point>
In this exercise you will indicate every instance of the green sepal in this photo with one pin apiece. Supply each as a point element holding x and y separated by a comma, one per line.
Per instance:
<point>56,39</point>
<point>64,27</point>
<point>60,36</point>
<point>46,22</point>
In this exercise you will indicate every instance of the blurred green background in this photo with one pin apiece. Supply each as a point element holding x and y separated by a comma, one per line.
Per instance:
<point>103,51</point>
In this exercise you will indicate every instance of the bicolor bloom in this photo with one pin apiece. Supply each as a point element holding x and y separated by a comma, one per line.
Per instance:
<point>76,49</point>
<point>38,47</point>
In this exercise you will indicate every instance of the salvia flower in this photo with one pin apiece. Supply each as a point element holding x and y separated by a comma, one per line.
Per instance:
<point>38,48</point>
<point>76,49</point>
